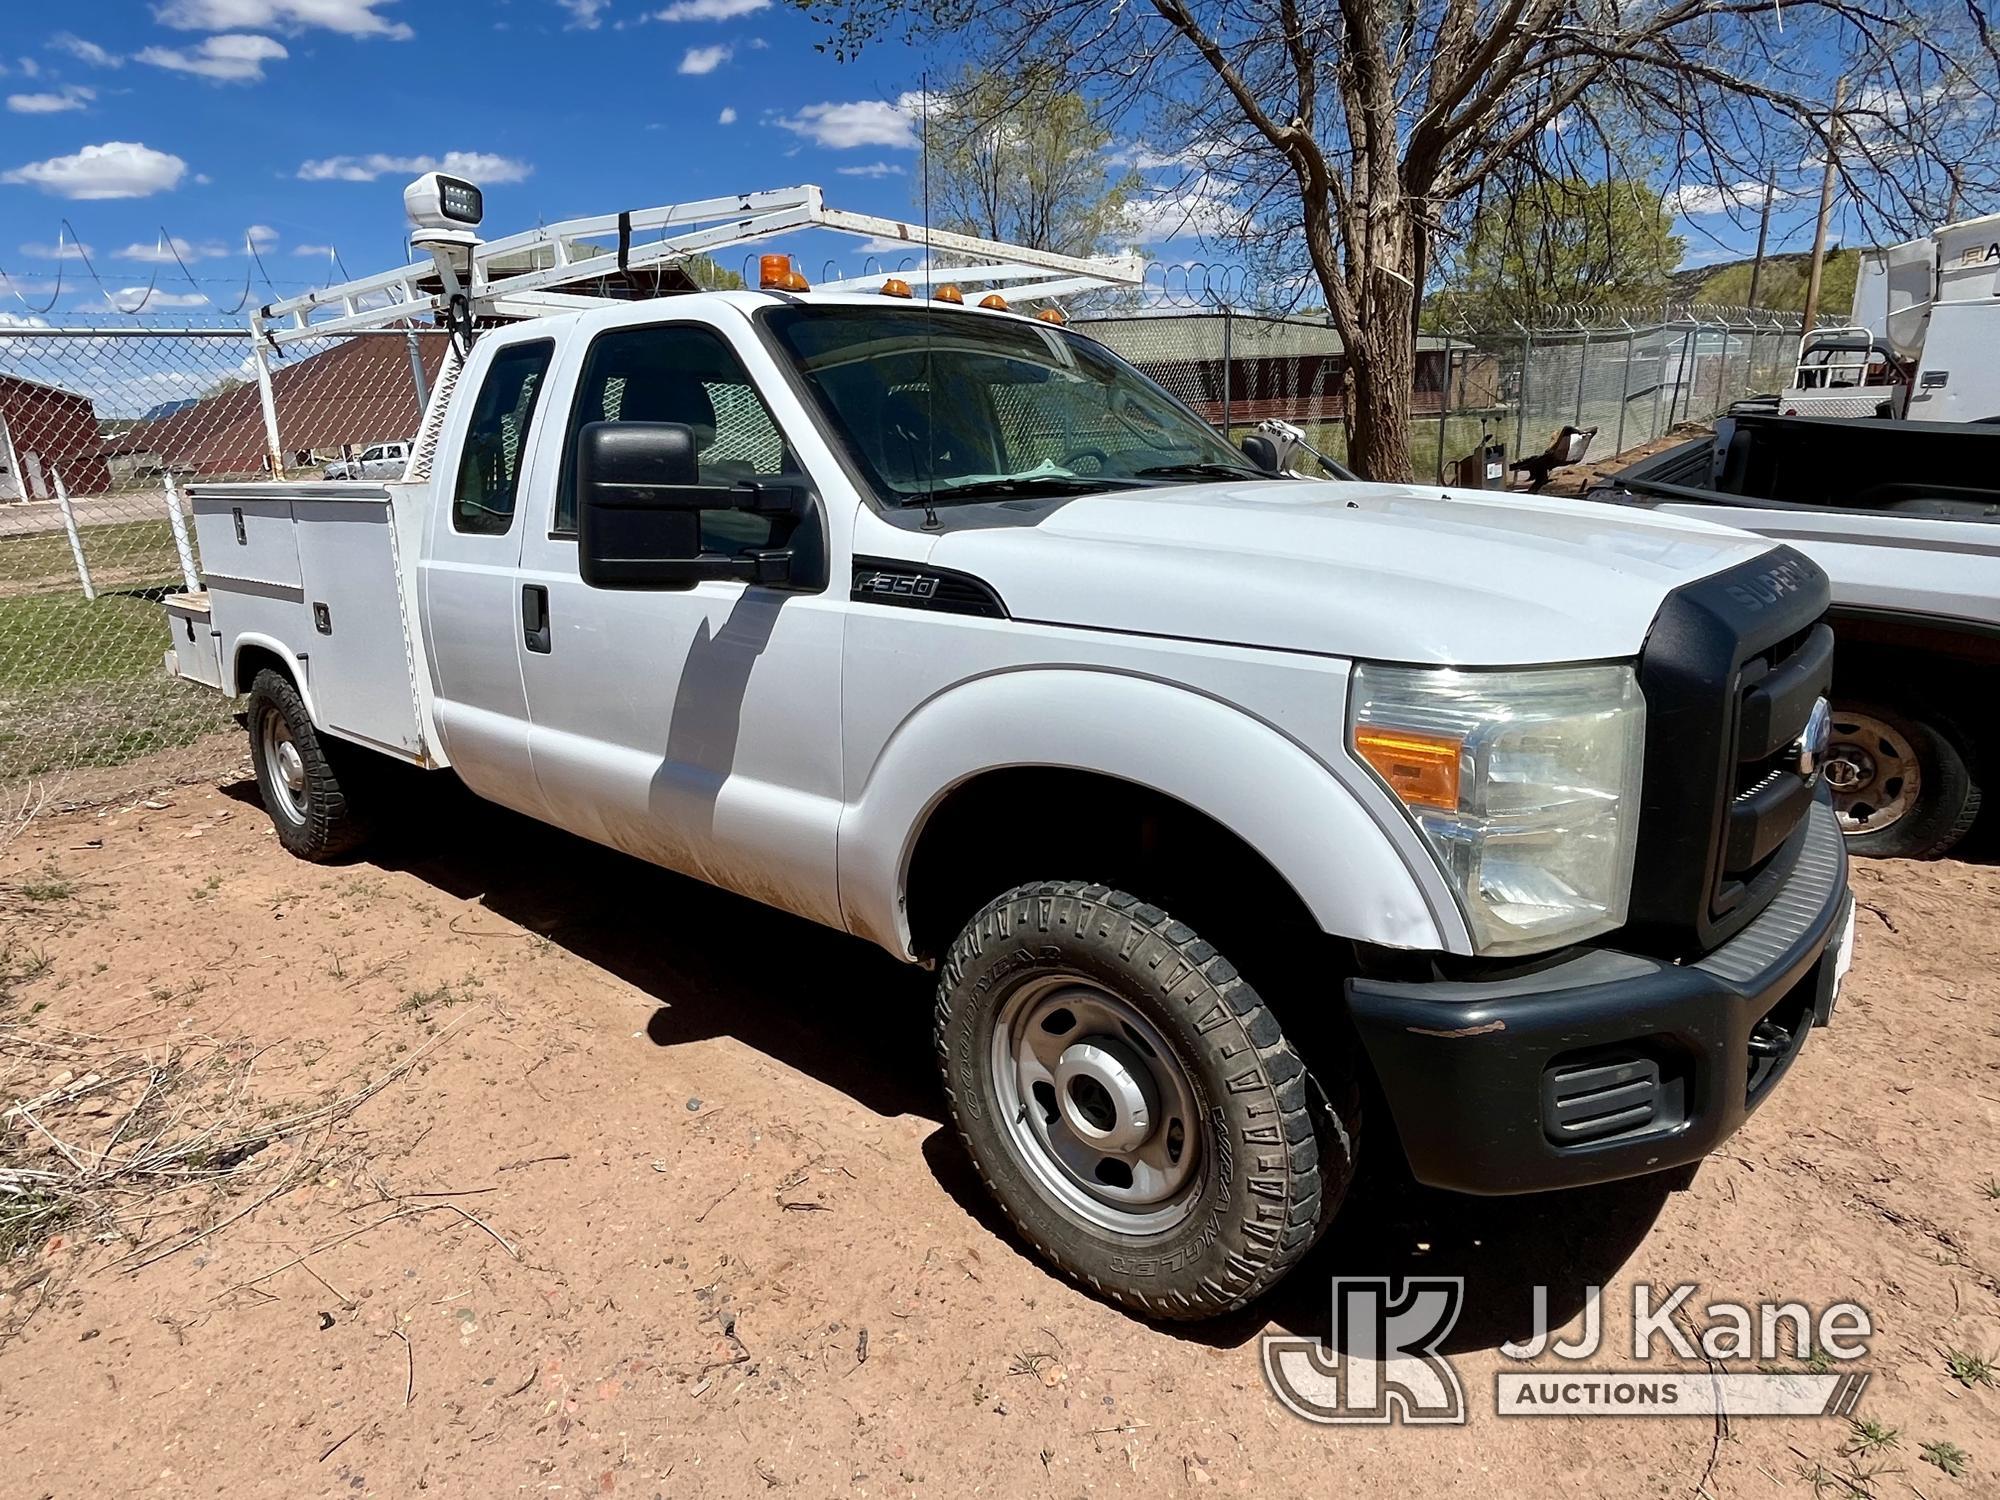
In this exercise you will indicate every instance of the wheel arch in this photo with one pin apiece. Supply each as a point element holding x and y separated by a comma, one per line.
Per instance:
<point>1064,762</point>
<point>254,652</point>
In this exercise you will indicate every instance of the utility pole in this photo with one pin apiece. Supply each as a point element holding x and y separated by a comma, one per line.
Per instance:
<point>1763,234</point>
<point>1825,210</point>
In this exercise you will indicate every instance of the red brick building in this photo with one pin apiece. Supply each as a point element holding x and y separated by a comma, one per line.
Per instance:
<point>46,430</point>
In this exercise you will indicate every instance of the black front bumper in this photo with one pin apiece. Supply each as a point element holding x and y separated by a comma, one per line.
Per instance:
<point>1603,1064</point>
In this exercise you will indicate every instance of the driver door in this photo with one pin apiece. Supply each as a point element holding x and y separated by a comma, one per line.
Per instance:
<point>697,728</point>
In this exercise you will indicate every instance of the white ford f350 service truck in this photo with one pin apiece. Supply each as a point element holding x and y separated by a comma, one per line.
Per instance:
<point>1220,799</point>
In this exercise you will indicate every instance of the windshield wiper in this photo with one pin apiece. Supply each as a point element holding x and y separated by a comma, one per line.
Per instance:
<point>1211,469</point>
<point>1008,489</point>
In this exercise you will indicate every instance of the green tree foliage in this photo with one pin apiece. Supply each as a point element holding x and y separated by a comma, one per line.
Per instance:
<point>1016,157</point>
<point>1562,248</point>
<point>1782,286</point>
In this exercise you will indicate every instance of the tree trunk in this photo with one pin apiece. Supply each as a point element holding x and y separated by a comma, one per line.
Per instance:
<point>1385,367</point>
<point>1383,355</point>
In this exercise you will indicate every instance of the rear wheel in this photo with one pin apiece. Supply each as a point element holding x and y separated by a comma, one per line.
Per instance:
<point>1132,1103</point>
<point>310,804</point>
<point>1902,785</point>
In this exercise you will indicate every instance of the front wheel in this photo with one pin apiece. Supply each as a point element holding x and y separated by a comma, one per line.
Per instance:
<point>1132,1103</point>
<point>1902,785</point>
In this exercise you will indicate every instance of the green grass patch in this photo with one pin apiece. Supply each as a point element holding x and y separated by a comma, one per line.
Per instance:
<point>43,557</point>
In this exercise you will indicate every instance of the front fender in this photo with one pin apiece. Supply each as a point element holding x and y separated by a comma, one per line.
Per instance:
<point>1355,878</point>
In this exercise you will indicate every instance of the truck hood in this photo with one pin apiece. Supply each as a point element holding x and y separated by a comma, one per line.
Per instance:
<point>1385,572</point>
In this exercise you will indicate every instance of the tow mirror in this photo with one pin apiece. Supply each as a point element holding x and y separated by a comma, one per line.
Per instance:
<point>639,505</point>
<point>1263,452</point>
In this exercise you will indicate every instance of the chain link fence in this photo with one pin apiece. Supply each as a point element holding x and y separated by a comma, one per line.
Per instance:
<point>102,430</point>
<point>1631,382</point>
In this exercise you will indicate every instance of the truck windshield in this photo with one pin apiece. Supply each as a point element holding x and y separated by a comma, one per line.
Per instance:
<point>946,406</point>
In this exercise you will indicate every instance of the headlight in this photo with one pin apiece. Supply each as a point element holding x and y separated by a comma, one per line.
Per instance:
<point>1524,783</point>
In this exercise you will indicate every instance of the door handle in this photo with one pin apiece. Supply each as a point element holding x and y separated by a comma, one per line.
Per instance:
<point>535,617</point>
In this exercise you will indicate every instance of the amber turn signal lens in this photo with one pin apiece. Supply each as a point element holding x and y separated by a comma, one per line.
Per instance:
<point>1422,769</point>
<point>949,293</point>
<point>1051,315</point>
<point>774,271</point>
<point>995,301</point>
<point>895,287</point>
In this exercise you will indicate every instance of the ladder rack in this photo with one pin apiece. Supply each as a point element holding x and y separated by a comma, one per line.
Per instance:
<point>561,258</point>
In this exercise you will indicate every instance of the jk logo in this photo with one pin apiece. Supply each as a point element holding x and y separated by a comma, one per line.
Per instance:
<point>1383,1365</point>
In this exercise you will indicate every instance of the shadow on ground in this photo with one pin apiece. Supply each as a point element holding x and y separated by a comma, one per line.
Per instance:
<point>841,1011</point>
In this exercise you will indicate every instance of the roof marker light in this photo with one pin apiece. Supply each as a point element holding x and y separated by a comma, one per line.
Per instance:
<point>895,287</point>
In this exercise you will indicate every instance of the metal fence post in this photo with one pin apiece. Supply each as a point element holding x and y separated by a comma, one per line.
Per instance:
<point>1228,353</point>
<point>1582,369</point>
<point>417,369</point>
<point>1722,368</point>
<point>178,522</point>
<point>75,541</point>
<point>1624,391</point>
<point>1521,394</point>
<point>1659,385</point>
<point>266,398</point>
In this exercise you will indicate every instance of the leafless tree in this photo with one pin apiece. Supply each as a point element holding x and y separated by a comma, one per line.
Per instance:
<point>1340,142</point>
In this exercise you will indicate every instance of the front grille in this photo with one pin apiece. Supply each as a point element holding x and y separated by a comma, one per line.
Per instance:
<point>1776,690</point>
<point>1730,670</point>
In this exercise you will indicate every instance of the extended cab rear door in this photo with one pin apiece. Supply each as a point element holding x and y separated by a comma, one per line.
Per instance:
<point>698,728</point>
<point>470,570</point>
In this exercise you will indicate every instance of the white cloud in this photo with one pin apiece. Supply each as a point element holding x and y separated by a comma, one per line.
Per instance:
<point>873,169</point>
<point>157,253</point>
<point>71,96</point>
<point>233,57</point>
<point>136,299</point>
<point>1706,198</point>
<point>29,67</point>
<point>348,17</point>
<point>116,169</point>
<point>263,236</point>
<point>583,14</point>
<point>864,122</point>
<point>326,250</point>
<point>83,51</point>
<point>728,115</point>
<point>481,166</point>
<point>1195,212</point>
<point>62,250</point>
<point>705,59</point>
<point>709,10</point>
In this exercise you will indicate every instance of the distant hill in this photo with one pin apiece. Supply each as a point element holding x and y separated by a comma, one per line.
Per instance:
<point>1782,287</point>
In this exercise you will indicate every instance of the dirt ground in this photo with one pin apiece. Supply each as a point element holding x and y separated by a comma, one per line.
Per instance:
<point>652,1197</point>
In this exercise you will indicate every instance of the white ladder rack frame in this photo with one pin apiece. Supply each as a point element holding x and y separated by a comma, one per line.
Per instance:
<point>684,229</point>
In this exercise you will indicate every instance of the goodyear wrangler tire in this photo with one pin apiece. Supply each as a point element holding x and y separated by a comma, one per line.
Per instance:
<point>1132,1103</point>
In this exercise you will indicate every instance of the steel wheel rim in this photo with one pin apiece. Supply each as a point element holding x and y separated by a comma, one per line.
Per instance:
<point>1873,772</point>
<point>1096,1107</point>
<point>287,767</point>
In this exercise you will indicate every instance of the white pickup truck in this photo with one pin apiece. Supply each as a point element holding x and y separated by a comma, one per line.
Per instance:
<point>1218,798</point>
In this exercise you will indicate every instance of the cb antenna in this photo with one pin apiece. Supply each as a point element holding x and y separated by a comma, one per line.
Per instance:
<point>930,313</point>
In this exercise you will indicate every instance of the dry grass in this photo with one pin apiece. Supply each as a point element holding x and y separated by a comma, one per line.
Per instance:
<point>102,1139</point>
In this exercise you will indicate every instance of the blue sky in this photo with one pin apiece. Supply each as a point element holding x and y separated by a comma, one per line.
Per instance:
<point>298,122</point>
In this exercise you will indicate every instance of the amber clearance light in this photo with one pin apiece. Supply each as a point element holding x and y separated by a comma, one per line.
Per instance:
<point>895,286</point>
<point>1422,769</point>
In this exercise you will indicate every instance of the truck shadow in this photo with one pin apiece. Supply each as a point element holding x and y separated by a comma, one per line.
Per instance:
<point>840,1011</point>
